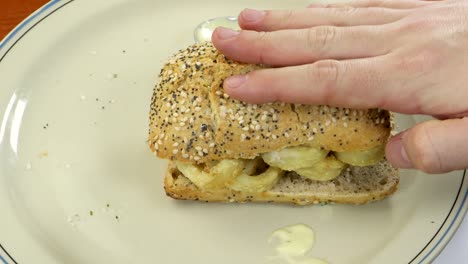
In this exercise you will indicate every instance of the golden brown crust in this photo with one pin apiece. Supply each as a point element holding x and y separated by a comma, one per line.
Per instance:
<point>179,187</point>
<point>193,120</point>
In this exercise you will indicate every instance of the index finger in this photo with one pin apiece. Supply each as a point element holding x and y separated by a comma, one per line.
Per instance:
<point>357,83</point>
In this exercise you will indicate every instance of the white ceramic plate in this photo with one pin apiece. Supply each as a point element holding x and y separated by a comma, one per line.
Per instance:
<point>78,184</point>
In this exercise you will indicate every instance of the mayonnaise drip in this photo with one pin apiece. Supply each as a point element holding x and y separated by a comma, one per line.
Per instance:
<point>292,243</point>
<point>204,31</point>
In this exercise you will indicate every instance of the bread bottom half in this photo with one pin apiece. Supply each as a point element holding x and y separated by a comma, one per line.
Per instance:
<point>355,185</point>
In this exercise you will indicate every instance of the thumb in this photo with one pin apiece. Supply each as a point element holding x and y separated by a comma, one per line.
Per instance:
<point>434,146</point>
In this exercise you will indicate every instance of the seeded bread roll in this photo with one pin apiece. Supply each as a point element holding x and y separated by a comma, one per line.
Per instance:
<point>193,120</point>
<point>356,185</point>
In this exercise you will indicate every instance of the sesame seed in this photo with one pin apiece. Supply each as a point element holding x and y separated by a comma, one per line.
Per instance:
<point>198,148</point>
<point>273,136</point>
<point>185,155</point>
<point>345,124</point>
<point>327,123</point>
<point>182,124</point>
<point>175,151</point>
<point>245,128</point>
<point>160,142</point>
<point>200,153</point>
<point>177,128</point>
<point>243,136</point>
<point>311,138</point>
<point>175,144</point>
<point>196,158</point>
<point>212,145</point>
<point>205,150</point>
<point>156,146</point>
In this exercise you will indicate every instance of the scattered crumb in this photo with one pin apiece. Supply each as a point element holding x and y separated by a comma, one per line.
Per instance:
<point>97,99</point>
<point>74,219</point>
<point>46,126</point>
<point>432,222</point>
<point>111,101</point>
<point>117,217</point>
<point>112,76</point>
<point>124,51</point>
<point>108,205</point>
<point>91,213</point>
<point>103,107</point>
<point>43,154</point>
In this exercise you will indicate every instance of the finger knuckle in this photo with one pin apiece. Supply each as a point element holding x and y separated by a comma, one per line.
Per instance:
<point>325,74</point>
<point>263,40</point>
<point>288,16</point>
<point>425,155</point>
<point>344,10</point>
<point>421,62</point>
<point>319,38</point>
<point>414,25</point>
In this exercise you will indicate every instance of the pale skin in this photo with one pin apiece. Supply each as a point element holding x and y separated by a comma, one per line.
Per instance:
<point>407,56</point>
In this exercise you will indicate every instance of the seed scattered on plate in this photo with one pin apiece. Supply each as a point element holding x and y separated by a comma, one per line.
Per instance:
<point>43,154</point>
<point>111,76</point>
<point>74,219</point>
<point>83,97</point>
<point>28,166</point>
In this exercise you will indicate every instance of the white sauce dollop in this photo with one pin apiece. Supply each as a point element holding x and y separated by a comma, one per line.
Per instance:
<point>204,31</point>
<point>292,243</point>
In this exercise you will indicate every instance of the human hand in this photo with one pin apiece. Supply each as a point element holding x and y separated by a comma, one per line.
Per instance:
<point>407,56</point>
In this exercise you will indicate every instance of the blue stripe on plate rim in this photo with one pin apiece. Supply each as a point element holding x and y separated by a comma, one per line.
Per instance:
<point>2,260</point>
<point>42,14</point>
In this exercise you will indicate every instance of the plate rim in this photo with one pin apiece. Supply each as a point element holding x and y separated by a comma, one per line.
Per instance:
<point>428,253</point>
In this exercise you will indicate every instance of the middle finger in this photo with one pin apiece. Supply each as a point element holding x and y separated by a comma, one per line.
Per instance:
<point>300,46</point>
<point>310,17</point>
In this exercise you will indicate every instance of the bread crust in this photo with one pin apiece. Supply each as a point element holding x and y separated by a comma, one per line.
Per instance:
<point>193,120</point>
<point>382,180</point>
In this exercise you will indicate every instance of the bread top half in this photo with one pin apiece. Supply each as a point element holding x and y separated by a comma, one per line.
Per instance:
<point>193,120</point>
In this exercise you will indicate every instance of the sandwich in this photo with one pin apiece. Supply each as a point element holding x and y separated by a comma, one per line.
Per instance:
<point>223,150</point>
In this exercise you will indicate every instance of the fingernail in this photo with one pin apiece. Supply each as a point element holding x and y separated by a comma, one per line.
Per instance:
<point>235,81</point>
<point>397,154</point>
<point>226,33</point>
<point>252,15</point>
